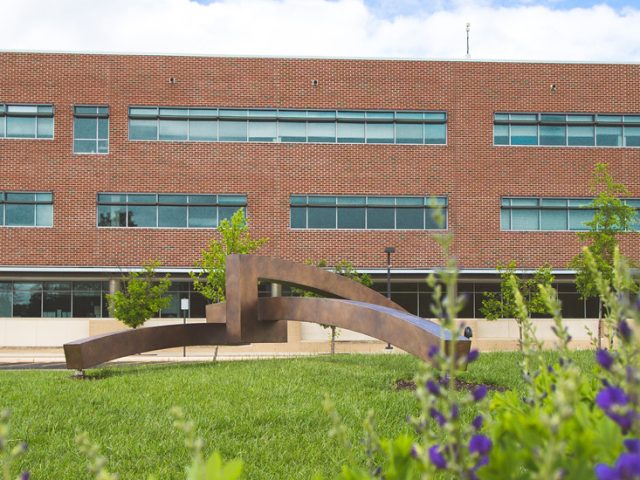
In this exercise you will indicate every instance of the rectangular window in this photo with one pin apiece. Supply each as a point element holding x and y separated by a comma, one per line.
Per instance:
<point>550,214</point>
<point>553,135</point>
<point>292,131</point>
<point>26,209</point>
<point>150,210</point>
<point>56,300</point>
<point>559,129</point>
<point>82,299</point>
<point>609,136</point>
<point>90,129</point>
<point>6,299</point>
<point>321,132</point>
<point>631,136</point>
<point>524,134</point>
<point>580,135</point>
<point>286,126</point>
<point>367,213</point>
<point>27,299</point>
<point>26,121</point>
<point>380,133</point>
<point>87,299</point>
<point>409,133</point>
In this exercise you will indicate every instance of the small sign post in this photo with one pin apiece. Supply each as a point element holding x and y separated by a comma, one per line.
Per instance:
<point>184,306</point>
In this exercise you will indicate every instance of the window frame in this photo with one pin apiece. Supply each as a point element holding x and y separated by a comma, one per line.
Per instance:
<point>6,113</point>
<point>540,207</point>
<point>35,203</point>
<point>575,119</point>
<point>97,116</point>
<point>158,203</point>
<point>282,116</point>
<point>426,205</point>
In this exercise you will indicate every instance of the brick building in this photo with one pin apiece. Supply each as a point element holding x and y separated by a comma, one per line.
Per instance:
<point>108,161</point>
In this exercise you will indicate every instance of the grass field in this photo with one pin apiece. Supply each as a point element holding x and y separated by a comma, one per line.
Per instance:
<point>266,412</point>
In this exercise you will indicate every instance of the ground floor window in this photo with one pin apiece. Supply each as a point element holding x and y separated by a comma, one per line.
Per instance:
<point>82,299</point>
<point>417,298</point>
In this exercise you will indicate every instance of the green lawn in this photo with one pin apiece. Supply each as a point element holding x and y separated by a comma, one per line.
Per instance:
<point>266,412</point>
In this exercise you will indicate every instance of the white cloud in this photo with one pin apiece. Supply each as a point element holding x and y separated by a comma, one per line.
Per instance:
<point>322,28</point>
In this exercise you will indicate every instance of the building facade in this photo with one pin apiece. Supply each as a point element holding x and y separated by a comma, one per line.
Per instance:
<point>109,161</point>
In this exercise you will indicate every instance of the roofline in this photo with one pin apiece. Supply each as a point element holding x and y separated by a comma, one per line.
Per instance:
<point>184,270</point>
<point>312,57</point>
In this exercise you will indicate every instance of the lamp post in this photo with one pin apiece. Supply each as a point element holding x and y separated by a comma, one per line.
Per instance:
<point>389,251</point>
<point>184,306</point>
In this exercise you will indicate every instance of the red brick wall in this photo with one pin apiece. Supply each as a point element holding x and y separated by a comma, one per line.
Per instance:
<point>469,170</point>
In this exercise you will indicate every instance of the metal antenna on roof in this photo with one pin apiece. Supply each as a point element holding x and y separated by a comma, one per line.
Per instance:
<point>468,28</point>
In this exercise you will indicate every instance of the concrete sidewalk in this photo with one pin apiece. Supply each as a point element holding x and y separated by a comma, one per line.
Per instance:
<point>53,358</point>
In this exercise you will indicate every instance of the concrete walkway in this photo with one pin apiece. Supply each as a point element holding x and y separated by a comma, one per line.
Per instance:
<point>53,358</point>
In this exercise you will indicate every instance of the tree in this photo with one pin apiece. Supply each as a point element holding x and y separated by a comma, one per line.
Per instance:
<point>210,278</point>
<point>142,298</point>
<point>345,269</point>
<point>503,304</point>
<point>612,218</point>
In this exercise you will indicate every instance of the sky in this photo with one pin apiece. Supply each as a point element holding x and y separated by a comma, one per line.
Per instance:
<point>544,30</point>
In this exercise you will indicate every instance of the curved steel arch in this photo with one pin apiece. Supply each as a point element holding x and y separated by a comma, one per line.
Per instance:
<point>412,334</point>
<point>245,318</point>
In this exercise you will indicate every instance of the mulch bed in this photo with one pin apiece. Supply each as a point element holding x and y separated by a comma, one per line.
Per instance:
<point>403,384</point>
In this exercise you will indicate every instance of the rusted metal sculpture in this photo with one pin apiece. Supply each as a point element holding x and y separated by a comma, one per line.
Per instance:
<point>245,318</point>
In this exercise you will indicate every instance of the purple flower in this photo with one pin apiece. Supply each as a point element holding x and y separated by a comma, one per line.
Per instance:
<point>455,411</point>
<point>612,397</point>
<point>609,397</point>
<point>414,451</point>
<point>433,351</point>
<point>623,420</point>
<point>480,444</point>
<point>433,387</point>
<point>627,467</point>
<point>477,422</point>
<point>473,356</point>
<point>25,476</point>
<point>632,445</point>
<point>624,330</point>
<point>437,416</point>
<point>436,457</point>
<point>479,393</point>
<point>604,359</point>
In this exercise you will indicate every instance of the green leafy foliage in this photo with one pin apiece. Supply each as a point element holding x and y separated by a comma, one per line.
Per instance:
<point>611,219</point>
<point>343,268</point>
<point>555,429</point>
<point>565,425</point>
<point>143,297</point>
<point>502,305</point>
<point>235,237</point>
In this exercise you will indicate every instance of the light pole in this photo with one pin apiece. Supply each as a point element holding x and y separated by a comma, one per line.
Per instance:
<point>389,251</point>
<point>184,306</point>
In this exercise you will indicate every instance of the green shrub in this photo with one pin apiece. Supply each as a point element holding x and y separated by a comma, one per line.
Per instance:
<point>235,237</point>
<point>143,297</point>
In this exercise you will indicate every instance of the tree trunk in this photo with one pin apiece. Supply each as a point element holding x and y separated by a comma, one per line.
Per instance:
<point>333,340</point>
<point>600,324</point>
<point>520,336</point>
